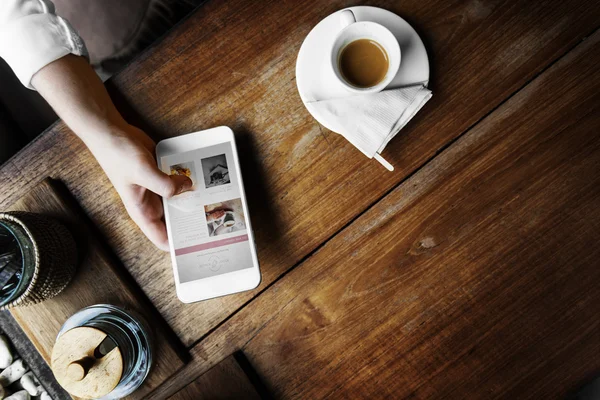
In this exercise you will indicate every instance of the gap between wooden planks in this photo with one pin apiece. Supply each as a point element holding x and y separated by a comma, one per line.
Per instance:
<point>232,63</point>
<point>476,277</point>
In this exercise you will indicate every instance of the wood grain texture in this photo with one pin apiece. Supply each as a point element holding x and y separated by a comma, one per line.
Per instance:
<point>476,278</point>
<point>225,381</point>
<point>99,279</point>
<point>232,63</point>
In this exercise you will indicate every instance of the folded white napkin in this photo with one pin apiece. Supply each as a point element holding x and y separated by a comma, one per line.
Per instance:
<point>370,121</point>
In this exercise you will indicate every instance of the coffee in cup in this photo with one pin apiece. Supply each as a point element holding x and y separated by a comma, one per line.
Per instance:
<point>365,56</point>
<point>364,63</point>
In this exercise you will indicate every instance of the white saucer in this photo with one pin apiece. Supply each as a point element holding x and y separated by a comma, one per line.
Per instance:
<point>314,76</point>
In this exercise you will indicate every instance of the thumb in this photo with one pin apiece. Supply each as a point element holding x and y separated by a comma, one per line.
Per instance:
<point>164,185</point>
<point>181,184</point>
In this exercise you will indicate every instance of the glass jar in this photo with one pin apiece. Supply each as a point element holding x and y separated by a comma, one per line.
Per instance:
<point>39,258</point>
<point>17,261</point>
<point>130,332</point>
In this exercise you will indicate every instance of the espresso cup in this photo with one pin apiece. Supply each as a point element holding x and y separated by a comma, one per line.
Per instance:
<point>352,31</point>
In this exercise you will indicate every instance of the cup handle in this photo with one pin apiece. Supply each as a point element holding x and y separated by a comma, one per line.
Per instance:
<point>347,17</point>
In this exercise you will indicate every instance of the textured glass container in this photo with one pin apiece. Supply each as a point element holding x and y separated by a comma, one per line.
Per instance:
<point>40,258</point>
<point>17,261</point>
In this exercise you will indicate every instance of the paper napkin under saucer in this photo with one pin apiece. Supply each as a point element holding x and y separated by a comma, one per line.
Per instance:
<point>370,121</point>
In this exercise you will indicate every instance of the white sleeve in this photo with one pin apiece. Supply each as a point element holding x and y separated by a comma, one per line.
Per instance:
<point>32,36</point>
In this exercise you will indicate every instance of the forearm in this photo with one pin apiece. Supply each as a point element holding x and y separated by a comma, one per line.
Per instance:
<point>80,99</point>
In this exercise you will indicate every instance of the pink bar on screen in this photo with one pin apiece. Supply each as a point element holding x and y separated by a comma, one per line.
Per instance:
<point>211,245</point>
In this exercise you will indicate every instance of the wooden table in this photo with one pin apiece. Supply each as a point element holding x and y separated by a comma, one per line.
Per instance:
<point>472,270</point>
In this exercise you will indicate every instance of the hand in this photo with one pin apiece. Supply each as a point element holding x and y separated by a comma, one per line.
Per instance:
<point>125,152</point>
<point>127,157</point>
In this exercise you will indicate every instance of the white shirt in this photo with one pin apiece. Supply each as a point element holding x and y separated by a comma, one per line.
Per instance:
<point>32,36</point>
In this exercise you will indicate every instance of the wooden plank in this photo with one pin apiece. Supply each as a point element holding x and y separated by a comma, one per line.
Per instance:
<point>476,278</point>
<point>232,63</point>
<point>99,279</point>
<point>224,381</point>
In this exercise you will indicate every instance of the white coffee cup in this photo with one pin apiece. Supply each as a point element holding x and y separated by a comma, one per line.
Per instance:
<point>353,30</point>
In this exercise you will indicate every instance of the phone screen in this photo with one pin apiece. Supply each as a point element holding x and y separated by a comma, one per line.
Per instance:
<point>208,223</point>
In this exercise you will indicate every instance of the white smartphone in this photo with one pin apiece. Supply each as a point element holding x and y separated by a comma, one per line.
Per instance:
<point>210,235</point>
